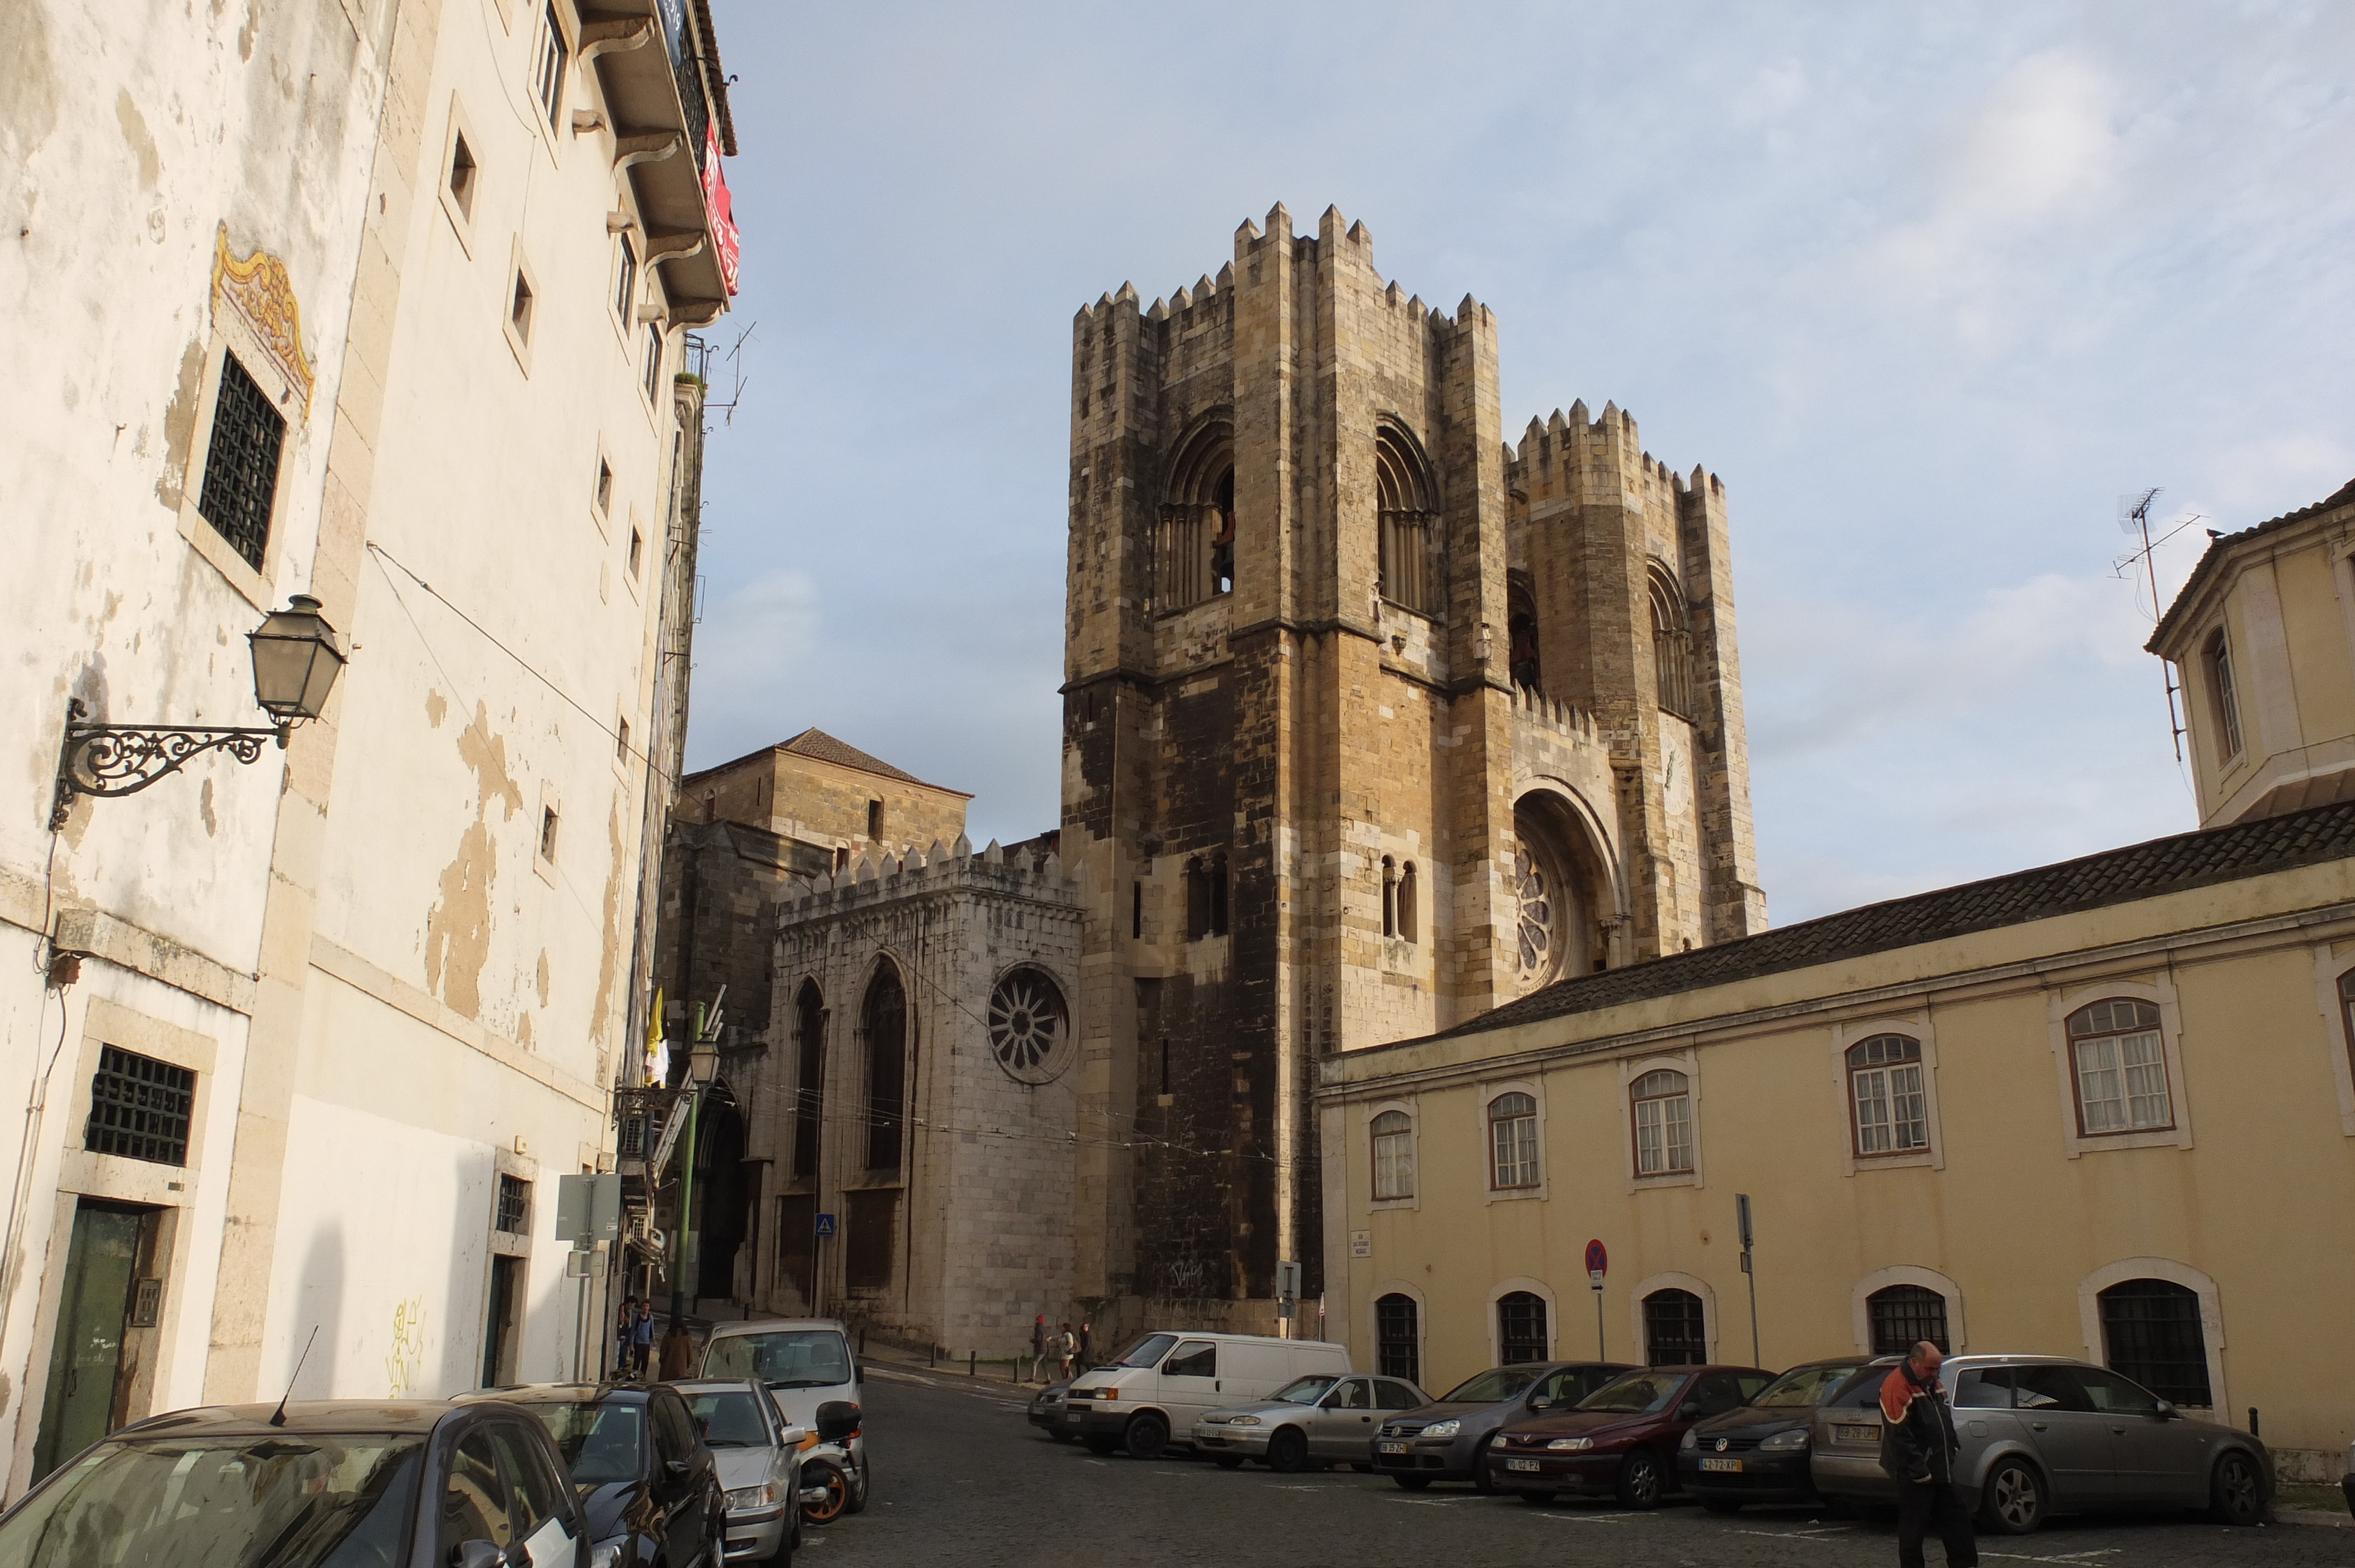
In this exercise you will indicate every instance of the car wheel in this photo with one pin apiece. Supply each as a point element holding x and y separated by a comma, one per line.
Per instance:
<point>2013,1503</point>
<point>1639,1479</point>
<point>1413,1483</point>
<point>2236,1491</point>
<point>826,1474</point>
<point>1100,1444</point>
<point>1537,1499</point>
<point>862,1486</point>
<point>1721,1505</point>
<point>1146,1436</point>
<point>1480,1482</point>
<point>1287,1451</point>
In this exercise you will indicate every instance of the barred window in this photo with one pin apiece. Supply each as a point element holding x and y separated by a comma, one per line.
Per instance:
<point>1522,1327</point>
<point>1902,1315</point>
<point>2120,1068</point>
<point>513,1214</point>
<point>1676,1328</point>
<point>241,465</point>
<point>1884,1076</point>
<point>2152,1331</point>
<point>1399,1340</point>
<point>139,1107</point>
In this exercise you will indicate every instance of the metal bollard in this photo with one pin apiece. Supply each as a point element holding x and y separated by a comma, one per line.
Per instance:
<point>968,1361</point>
<point>1014,1370</point>
<point>2259,1436</point>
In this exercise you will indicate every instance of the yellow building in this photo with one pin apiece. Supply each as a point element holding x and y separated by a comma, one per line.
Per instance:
<point>2101,1108</point>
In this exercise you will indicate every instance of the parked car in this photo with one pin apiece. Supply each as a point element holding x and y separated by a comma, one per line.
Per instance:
<point>649,1487</point>
<point>759,1459</point>
<point>1622,1439</point>
<point>804,1362</point>
<point>2347,1484</point>
<point>1164,1382</point>
<point>2044,1435</point>
<point>1316,1420</point>
<point>1757,1453</point>
<point>305,1484</point>
<point>1447,1440</point>
<point>1046,1412</point>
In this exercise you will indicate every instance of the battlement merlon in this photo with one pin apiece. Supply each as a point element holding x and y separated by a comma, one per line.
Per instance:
<point>1569,460</point>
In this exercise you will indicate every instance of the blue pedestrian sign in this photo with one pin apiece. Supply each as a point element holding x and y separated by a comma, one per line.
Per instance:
<point>826,1225</point>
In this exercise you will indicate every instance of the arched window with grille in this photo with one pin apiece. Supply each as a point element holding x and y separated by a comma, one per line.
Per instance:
<point>1407,504</point>
<point>1661,1103</point>
<point>1522,1327</point>
<point>1513,1140</point>
<point>2118,1065</point>
<point>1902,1315</point>
<point>1672,649</point>
<point>1398,1337</point>
<point>809,1088</point>
<point>2152,1333</point>
<point>1393,1139</point>
<point>1888,1110</point>
<point>884,1021</point>
<point>1676,1328</point>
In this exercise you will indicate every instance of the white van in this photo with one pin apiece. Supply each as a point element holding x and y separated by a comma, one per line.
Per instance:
<point>1166,1381</point>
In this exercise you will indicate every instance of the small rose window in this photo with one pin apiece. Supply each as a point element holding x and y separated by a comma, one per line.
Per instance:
<point>1029,1028</point>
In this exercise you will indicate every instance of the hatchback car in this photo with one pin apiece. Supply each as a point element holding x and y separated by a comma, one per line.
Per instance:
<point>1447,1440</point>
<point>760,1460</point>
<point>648,1485</point>
<point>2043,1435</point>
<point>1316,1420</point>
<point>1622,1439</point>
<point>1046,1412</point>
<point>373,1483</point>
<point>1758,1453</point>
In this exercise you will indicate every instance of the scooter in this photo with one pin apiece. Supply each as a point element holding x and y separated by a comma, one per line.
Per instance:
<point>834,1483</point>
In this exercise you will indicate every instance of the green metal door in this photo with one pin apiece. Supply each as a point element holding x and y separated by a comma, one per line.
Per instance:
<point>85,1360</point>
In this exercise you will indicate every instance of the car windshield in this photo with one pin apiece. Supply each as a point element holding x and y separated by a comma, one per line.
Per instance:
<point>600,1443</point>
<point>1148,1351</point>
<point>1304,1390</point>
<point>728,1419</point>
<point>287,1500</point>
<point>1635,1391</point>
<point>1804,1388</point>
<point>788,1358</point>
<point>1492,1386</point>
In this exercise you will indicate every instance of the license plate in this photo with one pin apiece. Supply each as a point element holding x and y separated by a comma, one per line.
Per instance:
<point>1070,1416</point>
<point>1390,1448</point>
<point>1714,1463</point>
<point>1520,1464</point>
<point>1855,1434</point>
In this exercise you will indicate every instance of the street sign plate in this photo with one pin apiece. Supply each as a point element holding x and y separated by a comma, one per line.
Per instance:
<point>1361,1244</point>
<point>589,1209</point>
<point>1598,1263</point>
<point>826,1225</point>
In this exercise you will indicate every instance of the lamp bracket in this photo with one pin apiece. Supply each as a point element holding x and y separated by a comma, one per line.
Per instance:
<point>111,759</point>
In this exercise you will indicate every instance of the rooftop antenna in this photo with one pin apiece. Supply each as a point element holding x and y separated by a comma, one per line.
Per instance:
<point>278,1416</point>
<point>2134,518</point>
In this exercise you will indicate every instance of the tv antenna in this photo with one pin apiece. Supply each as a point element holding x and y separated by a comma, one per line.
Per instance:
<point>2134,518</point>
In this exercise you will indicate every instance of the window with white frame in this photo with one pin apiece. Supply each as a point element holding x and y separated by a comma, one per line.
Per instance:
<point>1393,1155</point>
<point>653,360</point>
<point>1890,1111</point>
<point>1661,1102</point>
<point>1513,1140</point>
<point>547,73</point>
<point>2119,1066</point>
<point>626,280</point>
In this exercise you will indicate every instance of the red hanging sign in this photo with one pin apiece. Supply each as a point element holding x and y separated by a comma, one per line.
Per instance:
<point>716,202</point>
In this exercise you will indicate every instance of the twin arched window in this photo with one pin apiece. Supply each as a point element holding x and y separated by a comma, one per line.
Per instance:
<point>1206,896</point>
<point>1513,1141</point>
<point>1672,649</point>
<point>1194,539</point>
<point>1661,1103</point>
<point>1401,898</point>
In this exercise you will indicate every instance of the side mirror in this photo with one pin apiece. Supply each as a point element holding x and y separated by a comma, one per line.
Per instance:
<point>674,1467</point>
<point>836,1419</point>
<point>1688,1412</point>
<point>1541,1403</point>
<point>793,1436</point>
<point>477,1555</point>
<point>2166,1411</point>
<point>858,1373</point>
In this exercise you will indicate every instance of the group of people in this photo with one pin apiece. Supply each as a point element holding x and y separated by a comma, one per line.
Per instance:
<point>1066,1352</point>
<point>633,1338</point>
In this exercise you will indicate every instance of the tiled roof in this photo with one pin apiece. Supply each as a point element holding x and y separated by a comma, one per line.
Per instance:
<point>826,748</point>
<point>2198,580</point>
<point>2115,876</point>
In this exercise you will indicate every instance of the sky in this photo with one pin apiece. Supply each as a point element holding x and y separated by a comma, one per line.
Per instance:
<point>1930,287</point>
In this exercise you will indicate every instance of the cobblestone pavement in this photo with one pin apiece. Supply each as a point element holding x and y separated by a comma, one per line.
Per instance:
<point>961,1477</point>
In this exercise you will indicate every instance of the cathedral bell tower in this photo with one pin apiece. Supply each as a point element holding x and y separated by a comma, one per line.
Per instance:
<point>1372,723</point>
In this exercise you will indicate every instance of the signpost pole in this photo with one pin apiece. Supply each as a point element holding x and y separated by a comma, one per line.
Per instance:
<point>1741,1213</point>
<point>1598,1263</point>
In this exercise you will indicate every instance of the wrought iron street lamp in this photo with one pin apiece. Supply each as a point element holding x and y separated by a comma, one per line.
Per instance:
<point>295,662</point>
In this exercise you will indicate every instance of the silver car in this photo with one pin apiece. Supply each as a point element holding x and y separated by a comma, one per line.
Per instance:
<point>2043,1435</point>
<point>760,1461</point>
<point>1316,1420</point>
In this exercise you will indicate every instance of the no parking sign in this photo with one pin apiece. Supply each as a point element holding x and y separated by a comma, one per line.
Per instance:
<point>1598,1263</point>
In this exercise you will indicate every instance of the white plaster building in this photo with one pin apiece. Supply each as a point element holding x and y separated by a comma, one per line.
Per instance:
<point>380,301</point>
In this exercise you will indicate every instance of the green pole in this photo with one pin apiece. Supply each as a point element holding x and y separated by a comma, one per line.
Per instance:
<point>687,1185</point>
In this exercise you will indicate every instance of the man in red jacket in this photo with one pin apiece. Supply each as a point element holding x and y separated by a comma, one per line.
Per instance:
<point>1918,1449</point>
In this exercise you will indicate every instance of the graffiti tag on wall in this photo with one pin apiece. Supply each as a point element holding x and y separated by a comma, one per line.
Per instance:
<point>407,1356</point>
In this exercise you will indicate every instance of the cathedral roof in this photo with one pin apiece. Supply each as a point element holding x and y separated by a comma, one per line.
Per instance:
<point>2147,870</point>
<point>818,743</point>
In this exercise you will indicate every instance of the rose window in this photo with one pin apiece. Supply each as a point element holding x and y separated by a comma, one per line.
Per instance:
<point>1537,922</point>
<point>1027,1026</point>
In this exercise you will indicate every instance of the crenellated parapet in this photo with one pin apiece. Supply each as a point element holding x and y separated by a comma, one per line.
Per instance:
<point>879,879</point>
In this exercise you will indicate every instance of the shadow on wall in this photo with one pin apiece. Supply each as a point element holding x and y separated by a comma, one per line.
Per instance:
<point>318,1304</point>
<point>467,1295</point>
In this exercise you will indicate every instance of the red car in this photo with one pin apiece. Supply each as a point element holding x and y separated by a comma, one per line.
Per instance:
<point>1622,1439</point>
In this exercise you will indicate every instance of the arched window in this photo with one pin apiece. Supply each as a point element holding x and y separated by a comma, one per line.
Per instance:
<point>884,1021</point>
<point>1389,897</point>
<point>1513,1140</point>
<point>1398,1337</point>
<point>1885,1099</point>
<point>1661,1102</point>
<point>1194,540</point>
<point>1675,1330</point>
<point>2217,655</point>
<point>1408,504</point>
<point>1521,633</point>
<point>1902,1315</point>
<point>809,1088</point>
<point>1522,1327</point>
<point>2151,1333</point>
<point>1219,895</point>
<point>1672,654</point>
<point>2119,1066</point>
<point>1409,920</point>
<point>1393,1135</point>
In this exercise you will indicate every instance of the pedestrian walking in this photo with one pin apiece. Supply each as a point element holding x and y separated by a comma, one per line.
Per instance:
<point>1039,1348</point>
<point>642,1340</point>
<point>1087,1345</point>
<point>677,1352</point>
<point>1067,1345</point>
<point>623,1327</point>
<point>1918,1449</point>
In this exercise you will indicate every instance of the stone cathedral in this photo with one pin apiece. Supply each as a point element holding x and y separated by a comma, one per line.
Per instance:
<point>1374,720</point>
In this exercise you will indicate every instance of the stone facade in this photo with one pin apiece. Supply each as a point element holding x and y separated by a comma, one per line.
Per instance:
<point>822,792</point>
<point>1372,722</point>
